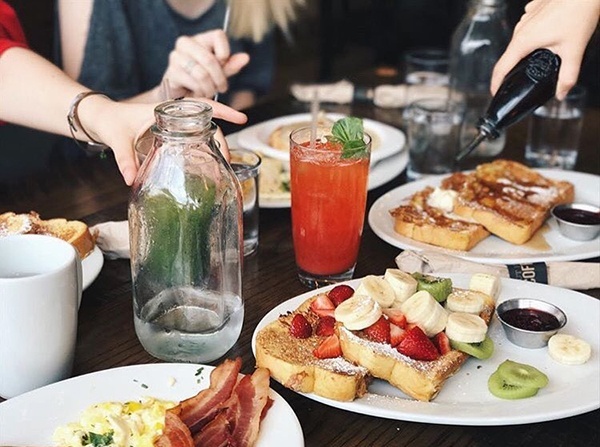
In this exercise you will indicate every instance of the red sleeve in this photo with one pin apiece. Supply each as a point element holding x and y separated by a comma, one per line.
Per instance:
<point>11,32</point>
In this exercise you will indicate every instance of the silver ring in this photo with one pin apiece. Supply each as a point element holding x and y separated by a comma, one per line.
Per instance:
<point>189,66</point>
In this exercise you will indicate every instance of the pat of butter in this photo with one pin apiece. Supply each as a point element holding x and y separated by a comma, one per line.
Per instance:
<point>443,199</point>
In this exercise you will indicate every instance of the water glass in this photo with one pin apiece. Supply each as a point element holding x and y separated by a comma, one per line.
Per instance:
<point>433,129</point>
<point>246,165</point>
<point>40,291</point>
<point>428,66</point>
<point>329,196</point>
<point>554,131</point>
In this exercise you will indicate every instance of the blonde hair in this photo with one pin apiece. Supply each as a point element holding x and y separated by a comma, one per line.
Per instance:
<point>252,19</point>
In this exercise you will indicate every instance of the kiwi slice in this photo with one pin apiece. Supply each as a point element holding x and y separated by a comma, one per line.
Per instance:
<point>520,374</point>
<point>439,288</point>
<point>482,350</point>
<point>500,388</point>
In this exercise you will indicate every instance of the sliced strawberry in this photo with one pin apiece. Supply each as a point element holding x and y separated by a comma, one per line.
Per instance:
<point>340,293</point>
<point>442,343</point>
<point>397,334</point>
<point>300,327</point>
<point>396,316</point>
<point>379,331</point>
<point>417,346</point>
<point>329,348</point>
<point>322,306</point>
<point>325,326</point>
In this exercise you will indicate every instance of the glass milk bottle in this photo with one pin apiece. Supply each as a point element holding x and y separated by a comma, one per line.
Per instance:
<point>477,44</point>
<point>185,231</point>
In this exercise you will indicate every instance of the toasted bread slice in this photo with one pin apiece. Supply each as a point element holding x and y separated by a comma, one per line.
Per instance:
<point>292,363</point>
<point>419,379</point>
<point>75,232</point>
<point>509,199</point>
<point>419,221</point>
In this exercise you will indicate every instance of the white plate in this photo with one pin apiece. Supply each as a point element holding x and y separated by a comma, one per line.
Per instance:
<point>91,266</point>
<point>465,399</point>
<point>30,419</point>
<point>494,250</point>
<point>389,139</point>
<point>382,172</point>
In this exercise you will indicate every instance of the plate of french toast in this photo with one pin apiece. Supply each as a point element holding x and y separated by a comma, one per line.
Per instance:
<point>76,232</point>
<point>408,346</point>
<point>497,213</point>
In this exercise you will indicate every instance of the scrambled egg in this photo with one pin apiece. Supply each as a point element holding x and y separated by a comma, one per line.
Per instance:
<point>114,424</point>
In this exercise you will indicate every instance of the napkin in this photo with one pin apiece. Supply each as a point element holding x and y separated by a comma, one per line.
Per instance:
<point>384,96</point>
<point>570,275</point>
<point>112,238</point>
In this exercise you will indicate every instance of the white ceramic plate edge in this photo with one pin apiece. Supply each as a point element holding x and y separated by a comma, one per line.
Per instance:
<point>91,267</point>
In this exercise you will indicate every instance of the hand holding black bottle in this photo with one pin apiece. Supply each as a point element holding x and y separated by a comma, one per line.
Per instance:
<point>526,87</point>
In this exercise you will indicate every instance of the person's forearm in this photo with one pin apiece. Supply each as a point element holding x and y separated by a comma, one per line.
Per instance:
<point>34,92</point>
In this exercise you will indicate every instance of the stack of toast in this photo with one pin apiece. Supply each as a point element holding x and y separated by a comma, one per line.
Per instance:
<point>397,343</point>
<point>75,232</point>
<point>504,198</point>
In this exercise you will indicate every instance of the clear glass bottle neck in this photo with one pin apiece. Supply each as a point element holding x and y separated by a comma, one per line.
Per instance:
<point>487,6</point>
<point>183,119</point>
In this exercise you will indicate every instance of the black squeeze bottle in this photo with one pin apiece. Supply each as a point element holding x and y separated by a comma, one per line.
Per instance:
<point>526,87</point>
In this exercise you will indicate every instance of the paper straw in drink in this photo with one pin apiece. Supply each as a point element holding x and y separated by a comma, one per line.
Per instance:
<point>329,193</point>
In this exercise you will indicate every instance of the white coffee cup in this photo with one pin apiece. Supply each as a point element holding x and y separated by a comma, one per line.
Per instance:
<point>40,292</point>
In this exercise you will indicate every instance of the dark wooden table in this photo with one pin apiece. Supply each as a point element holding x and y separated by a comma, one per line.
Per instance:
<point>92,190</point>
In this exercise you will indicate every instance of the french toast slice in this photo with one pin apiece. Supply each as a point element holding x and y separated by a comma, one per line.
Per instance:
<point>420,379</point>
<point>75,232</point>
<point>509,199</point>
<point>418,220</point>
<point>291,361</point>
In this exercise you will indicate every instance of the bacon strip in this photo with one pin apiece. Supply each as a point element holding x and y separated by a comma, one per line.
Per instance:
<point>200,409</point>
<point>246,405</point>
<point>214,434</point>
<point>176,434</point>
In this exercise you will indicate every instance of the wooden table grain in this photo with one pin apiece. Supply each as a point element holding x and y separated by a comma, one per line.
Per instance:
<point>92,190</point>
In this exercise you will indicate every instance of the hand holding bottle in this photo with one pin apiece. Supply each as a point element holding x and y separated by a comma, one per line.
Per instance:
<point>564,27</point>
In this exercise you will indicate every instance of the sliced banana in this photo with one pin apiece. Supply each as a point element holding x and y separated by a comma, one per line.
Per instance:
<point>423,310</point>
<point>358,312</point>
<point>569,350</point>
<point>467,301</point>
<point>378,289</point>
<point>486,283</point>
<point>467,328</point>
<point>436,323</point>
<point>403,284</point>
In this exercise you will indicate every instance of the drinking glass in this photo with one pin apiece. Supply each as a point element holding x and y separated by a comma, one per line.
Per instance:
<point>329,195</point>
<point>427,66</point>
<point>554,132</point>
<point>246,165</point>
<point>433,135</point>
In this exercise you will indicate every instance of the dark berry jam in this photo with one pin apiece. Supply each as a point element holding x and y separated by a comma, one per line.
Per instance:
<point>531,319</point>
<point>578,216</point>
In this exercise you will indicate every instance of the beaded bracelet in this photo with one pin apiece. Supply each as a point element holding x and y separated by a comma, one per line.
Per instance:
<point>74,122</point>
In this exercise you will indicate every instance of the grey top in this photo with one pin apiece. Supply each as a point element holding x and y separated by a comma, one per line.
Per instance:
<point>129,42</point>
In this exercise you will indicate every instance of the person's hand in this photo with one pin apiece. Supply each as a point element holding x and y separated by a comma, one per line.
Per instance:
<point>562,26</point>
<point>200,65</point>
<point>119,125</point>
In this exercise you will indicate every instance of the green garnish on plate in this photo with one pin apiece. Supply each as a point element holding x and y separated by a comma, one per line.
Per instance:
<point>350,133</point>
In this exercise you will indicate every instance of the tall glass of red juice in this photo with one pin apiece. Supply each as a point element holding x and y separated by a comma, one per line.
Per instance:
<point>329,196</point>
